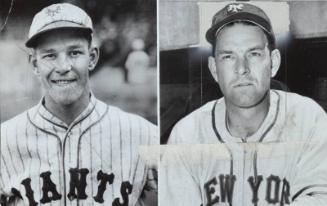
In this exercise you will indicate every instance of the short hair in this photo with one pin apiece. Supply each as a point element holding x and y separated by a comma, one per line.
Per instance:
<point>270,39</point>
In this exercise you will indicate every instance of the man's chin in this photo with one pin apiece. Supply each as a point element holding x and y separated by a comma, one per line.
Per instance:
<point>65,100</point>
<point>247,105</point>
<point>247,102</point>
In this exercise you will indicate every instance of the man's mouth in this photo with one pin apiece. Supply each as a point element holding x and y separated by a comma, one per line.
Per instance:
<point>243,84</point>
<point>63,82</point>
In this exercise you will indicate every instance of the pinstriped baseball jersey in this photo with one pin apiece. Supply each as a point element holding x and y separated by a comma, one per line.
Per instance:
<point>93,161</point>
<point>283,163</point>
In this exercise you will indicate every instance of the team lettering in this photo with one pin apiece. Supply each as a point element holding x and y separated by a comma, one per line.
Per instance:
<point>77,188</point>
<point>277,190</point>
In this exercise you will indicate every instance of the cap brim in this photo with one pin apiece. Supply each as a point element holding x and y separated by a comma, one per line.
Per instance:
<point>55,26</point>
<point>241,16</point>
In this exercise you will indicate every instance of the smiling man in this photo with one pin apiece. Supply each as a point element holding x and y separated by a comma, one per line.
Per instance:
<point>255,146</point>
<point>71,148</point>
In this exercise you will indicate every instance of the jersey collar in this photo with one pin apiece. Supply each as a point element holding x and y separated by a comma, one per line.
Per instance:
<point>45,120</point>
<point>48,116</point>
<point>219,124</point>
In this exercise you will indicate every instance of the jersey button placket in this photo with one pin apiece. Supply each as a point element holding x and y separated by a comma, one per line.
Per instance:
<point>244,169</point>
<point>66,163</point>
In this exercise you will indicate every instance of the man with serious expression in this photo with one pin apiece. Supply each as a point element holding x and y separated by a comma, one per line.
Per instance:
<point>255,145</point>
<point>243,65</point>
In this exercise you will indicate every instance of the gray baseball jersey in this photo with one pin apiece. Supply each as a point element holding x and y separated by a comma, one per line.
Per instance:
<point>283,163</point>
<point>93,161</point>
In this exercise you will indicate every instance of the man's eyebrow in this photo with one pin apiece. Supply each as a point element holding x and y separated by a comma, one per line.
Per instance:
<point>75,46</point>
<point>222,51</point>
<point>46,50</point>
<point>257,48</point>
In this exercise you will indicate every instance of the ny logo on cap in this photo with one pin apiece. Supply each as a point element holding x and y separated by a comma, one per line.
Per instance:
<point>52,12</point>
<point>235,7</point>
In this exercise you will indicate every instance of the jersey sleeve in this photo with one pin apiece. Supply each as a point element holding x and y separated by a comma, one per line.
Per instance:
<point>181,129</point>
<point>310,184</point>
<point>3,196</point>
<point>5,193</point>
<point>174,136</point>
<point>149,195</point>
<point>176,179</point>
<point>152,171</point>
<point>150,154</point>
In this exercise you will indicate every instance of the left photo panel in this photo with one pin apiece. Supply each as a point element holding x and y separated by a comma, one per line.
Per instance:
<point>78,102</point>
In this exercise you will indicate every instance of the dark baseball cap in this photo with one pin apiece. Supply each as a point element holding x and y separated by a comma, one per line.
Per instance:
<point>243,12</point>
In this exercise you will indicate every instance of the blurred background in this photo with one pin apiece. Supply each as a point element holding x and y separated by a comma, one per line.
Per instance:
<point>126,75</point>
<point>185,81</point>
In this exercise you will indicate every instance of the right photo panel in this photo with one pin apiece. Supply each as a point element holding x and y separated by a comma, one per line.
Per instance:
<point>243,101</point>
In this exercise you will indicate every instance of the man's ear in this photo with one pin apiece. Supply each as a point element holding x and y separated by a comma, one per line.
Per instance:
<point>212,67</point>
<point>33,61</point>
<point>275,62</point>
<point>94,57</point>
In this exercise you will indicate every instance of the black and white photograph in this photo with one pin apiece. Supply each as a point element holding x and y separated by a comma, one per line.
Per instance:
<point>242,103</point>
<point>163,102</point>
<point>78,102</point>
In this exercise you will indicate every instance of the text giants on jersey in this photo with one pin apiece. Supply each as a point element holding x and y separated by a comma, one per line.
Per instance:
<point>277,190</point>
<point>77,188</point>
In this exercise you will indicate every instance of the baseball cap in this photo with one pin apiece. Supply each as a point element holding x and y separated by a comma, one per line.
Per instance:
<point>58,16</point>
<point>239,12</point>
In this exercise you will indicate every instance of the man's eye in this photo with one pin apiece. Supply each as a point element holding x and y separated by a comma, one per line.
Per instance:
<point>75,53</point>
<point>48,56</point>
<point>255,54</point>
<point>226,57</point>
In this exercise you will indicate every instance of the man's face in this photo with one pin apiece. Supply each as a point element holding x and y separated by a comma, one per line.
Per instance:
<point>62,60</point>
<point>242,64</point>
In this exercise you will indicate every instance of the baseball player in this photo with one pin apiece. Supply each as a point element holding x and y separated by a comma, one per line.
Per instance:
<point>71,148</point>
<point>255,146</point>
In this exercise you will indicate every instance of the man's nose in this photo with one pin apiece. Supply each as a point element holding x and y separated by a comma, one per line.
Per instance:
<point>64,64</point>
<point>242,66</point>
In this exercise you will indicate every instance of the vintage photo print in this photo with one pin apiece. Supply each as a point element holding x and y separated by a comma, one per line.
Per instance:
<point>242,103</point>
<point>78,102</point>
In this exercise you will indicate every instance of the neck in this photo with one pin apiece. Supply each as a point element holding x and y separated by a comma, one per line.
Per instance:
<point>67,112</point>
<point>244,122</point>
